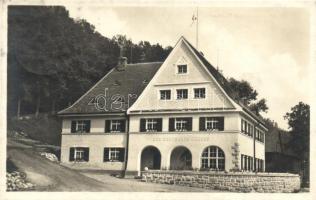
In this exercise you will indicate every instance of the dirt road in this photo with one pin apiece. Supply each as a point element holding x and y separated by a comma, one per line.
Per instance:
<point>50,176</point>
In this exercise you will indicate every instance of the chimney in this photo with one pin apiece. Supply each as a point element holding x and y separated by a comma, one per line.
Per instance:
<point>122,62</point>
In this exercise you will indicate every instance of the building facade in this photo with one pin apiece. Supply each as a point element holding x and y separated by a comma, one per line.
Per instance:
<point>176,115</point>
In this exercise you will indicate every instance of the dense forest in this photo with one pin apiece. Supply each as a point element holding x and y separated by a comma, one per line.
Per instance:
<point>53,59</point>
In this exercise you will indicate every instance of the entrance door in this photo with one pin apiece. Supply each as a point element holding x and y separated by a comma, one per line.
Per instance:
<point>181,159</point>
<point>150,158</point>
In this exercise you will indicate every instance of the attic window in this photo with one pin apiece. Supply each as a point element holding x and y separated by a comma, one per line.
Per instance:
<point>145,82</point>
<point>182,69</point>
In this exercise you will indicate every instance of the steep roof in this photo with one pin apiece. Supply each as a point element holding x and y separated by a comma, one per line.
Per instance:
<point>130,81</point>
<point>222,81</point>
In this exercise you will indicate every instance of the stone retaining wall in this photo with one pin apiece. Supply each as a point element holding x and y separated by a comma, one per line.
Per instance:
<point>232,181</point>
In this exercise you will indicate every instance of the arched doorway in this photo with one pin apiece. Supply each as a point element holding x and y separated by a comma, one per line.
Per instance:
<point>213,158</point>
<point>181,159</point>
<point>150,158</point>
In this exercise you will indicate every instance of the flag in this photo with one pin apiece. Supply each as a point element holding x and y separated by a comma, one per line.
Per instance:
<point>194,17</point>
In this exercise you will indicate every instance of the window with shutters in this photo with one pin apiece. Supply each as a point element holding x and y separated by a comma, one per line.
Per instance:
<point>199,93</point>
<point>79,154</point>
<point>165,94</point>
<point>114,126</point>
<point>182,124</point>
<point>213,158</point>
<point>80,126</point>
<point>182,94</point>
<point>114,154</point>
<point>151,125</point>
<point>211,123</point>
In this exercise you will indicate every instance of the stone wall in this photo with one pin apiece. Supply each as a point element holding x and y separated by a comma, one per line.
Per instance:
<point>234,182</point>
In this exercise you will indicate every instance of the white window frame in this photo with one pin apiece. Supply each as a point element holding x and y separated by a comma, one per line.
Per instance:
<point>181,91</point>
<point>183,124</point>
<point>117,124</point>
<point>209,158</point>
<point>151,122</point>
<point>116,154</point>
<point>199,93</point>
<point>160,95</point>
<point>78,154</point>
<point>213,122</point>
<point>181,67</point>
<point>80,126</point>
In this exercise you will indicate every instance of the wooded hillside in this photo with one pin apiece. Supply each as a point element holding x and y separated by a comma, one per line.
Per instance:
<point>53,59</point>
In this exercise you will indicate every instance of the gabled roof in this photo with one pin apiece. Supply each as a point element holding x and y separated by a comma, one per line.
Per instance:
<point>133,80</point>
<point>128,82</point>
<point>222,81</point>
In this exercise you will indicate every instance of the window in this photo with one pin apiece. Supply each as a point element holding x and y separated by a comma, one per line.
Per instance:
<point>251,130</point>
<point>211,123</point>
<point>165,94</point>
<point>180,124</point>
<point>259,135</point>
<point>247,128</point>
<point>151,125</point>
<point>243,126</point>
<point>114,126</point>
<point>80,126</point>
<point>114,154</point>
<point>182,69</point>
<point>79,154</point>
<point>213,158</point>
<point>182,94</point>
<point>250,164</point>
<point>199,93</point>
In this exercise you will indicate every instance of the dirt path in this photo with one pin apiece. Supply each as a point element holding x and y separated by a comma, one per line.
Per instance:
<point>50,176</point>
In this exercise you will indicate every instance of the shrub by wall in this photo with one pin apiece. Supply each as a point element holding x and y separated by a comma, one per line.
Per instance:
<point>231,181</point>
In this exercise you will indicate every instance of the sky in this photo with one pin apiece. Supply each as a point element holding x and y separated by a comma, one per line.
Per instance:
<point>268,47</point>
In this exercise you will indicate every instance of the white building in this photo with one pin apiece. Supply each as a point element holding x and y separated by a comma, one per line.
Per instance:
<point>179,115</point>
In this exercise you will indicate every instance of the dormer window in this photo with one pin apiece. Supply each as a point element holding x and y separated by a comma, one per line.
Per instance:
<point>182,69</point>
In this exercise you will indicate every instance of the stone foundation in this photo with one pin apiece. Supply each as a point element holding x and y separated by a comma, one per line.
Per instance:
<point>232,181</point>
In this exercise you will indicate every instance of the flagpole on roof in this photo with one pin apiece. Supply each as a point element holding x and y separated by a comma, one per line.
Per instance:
<point>197,28</point>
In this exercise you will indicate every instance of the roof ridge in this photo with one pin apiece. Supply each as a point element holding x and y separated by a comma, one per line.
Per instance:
<point>144,63</point>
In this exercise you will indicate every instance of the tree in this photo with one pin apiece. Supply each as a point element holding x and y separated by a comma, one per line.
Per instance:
<point>299,124</point>
<point>54,59</point>
<point>245,93</point>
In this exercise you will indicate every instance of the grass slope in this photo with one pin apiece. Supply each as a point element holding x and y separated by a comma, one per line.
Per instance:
<point>45,128</point>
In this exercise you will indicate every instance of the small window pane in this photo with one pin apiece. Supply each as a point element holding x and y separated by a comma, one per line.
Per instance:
<point>213,158</point>
<point>182,94</point>
<point>182,69</point>
<point>199,93</point>
<point>165,94</point>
